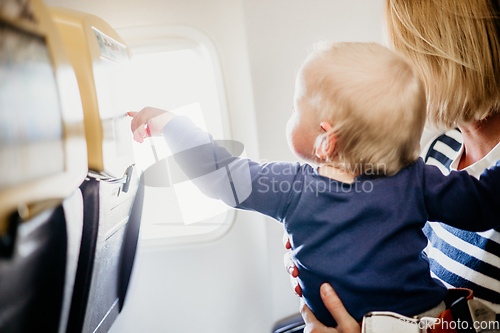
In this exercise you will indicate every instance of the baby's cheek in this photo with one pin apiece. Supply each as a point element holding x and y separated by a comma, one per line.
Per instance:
<point>289,132</point>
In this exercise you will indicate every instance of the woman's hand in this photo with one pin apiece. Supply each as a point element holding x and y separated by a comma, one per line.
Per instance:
<point>154,118</point>
<point>345,323</point>
<point>290,266</point>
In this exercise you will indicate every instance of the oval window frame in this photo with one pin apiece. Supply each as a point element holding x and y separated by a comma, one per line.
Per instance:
<point>151,39</point>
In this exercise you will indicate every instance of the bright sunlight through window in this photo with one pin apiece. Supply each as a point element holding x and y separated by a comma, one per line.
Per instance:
<point>182,79</point>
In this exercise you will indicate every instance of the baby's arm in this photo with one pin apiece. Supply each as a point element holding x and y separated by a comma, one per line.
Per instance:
<point>238,182</point>
<point>461,200</point>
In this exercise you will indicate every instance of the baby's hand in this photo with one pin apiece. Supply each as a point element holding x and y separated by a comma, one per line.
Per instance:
<point>155,120</point>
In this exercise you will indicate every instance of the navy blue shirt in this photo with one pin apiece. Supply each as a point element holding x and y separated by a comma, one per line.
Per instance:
<point>364,238</point>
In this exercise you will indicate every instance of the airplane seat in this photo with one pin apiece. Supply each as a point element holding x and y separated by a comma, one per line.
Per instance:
<point>90,194</point>
<point>112,198</point>
<point>43,162</point>
<point>37,270</point>
<point>102,289</point>
<point>32,278</point>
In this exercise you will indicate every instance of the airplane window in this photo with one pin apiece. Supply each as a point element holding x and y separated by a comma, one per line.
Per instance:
<point>181,78</point>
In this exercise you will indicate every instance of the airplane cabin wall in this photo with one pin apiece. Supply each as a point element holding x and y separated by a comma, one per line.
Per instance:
<point>236,283</point>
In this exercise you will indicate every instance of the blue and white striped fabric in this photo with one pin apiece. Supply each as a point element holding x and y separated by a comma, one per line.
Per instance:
<point>461,258</point>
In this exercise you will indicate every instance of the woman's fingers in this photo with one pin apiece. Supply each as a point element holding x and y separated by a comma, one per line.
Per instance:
<point>313,325</point>
<point>307,314</point>
<point>297,289</point>
<point>290,266</point>
<point>295,286</point>
<point>286,241</point>
<point>346,323</point>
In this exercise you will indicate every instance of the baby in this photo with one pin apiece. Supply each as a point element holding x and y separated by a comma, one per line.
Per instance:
<point>354,219</point>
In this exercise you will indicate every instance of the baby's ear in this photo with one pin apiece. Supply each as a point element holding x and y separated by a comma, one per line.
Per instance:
<point>327,145</point>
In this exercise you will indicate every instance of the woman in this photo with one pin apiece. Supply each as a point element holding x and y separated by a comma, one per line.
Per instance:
<point>456,47</point>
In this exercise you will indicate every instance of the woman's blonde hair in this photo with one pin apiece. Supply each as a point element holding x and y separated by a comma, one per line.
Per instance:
<point>456,48</point>
<point>374,100</point>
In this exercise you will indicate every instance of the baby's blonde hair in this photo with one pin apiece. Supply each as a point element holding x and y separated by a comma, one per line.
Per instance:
<point>456,48</point>
<point>374,100</point>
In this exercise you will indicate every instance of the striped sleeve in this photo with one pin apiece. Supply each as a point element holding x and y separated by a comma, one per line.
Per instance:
<point>462,259</point>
